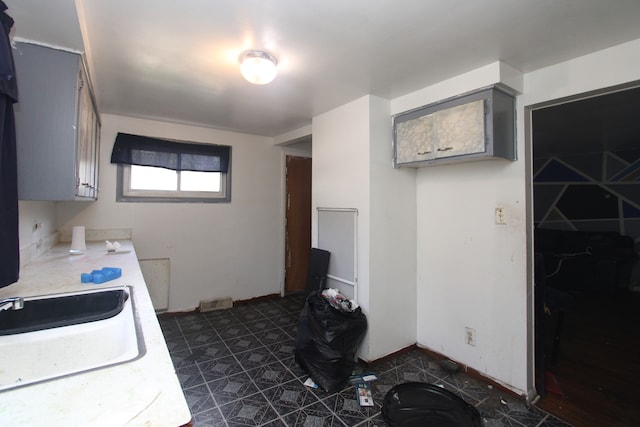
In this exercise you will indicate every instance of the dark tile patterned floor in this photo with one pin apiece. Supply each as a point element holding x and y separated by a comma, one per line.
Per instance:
<point>237,368</point>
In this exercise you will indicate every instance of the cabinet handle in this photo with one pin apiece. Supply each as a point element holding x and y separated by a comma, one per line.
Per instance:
<point>422,153</point>
<point>445,149</point>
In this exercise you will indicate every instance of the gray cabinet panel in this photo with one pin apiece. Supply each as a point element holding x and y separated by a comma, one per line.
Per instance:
<point>474,126</point>
<point>56,126</point>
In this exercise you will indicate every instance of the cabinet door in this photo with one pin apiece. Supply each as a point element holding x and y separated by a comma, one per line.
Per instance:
<point>95,154</point>
<point>86,184</point>
<point>415,140</point>
<point>56,122</point>
<point>460,130</point>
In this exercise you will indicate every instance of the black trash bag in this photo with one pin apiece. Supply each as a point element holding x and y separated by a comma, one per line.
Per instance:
<point>327,341</point>
<point>418,404</point>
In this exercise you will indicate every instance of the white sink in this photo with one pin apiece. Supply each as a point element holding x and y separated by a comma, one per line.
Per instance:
<point>43,355</point>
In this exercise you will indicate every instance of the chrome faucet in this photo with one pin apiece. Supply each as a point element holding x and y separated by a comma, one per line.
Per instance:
<point>15,303</point>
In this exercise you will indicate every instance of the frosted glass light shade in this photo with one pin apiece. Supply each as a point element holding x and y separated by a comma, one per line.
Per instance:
<point>258,67</point>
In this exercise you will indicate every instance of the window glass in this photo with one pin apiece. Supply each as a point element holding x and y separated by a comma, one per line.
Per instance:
<point>200,181</point>
<point>151,184</point>
<point>150,178</point>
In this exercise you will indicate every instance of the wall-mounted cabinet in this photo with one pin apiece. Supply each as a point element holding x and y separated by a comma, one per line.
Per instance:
<point>57,126</point>
<point>474,126</point>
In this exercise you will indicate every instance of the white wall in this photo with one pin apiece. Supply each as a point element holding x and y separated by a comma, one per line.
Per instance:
<point>352,169</point>
<point>35,240</point>
<point>470,271</point>
<point>216,249</point>
<point>392,263</point>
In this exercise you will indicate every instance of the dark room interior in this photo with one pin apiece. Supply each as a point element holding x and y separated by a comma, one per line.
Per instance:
<point>587,219</point>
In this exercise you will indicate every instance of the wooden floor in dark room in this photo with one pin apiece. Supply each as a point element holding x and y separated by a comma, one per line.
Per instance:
<point>598,365</point>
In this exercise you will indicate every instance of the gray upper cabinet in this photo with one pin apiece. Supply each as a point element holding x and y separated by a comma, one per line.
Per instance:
<point>57,126</point>
<point>474,126</point>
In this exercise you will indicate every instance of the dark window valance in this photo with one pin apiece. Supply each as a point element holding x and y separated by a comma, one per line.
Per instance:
<point>180,156</point>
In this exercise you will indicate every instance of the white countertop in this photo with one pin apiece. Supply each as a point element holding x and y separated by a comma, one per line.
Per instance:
<point>143,392</point>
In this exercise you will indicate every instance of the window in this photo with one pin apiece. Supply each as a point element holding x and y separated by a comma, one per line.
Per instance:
<point>151,169</point>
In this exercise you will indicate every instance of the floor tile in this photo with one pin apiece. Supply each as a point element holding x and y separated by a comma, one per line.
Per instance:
<point>316,415</point>
<point>199,399</point>
<point>189,376</point>
<point>198,339</point>
<point>291,305</point>
<point>385,382</point>
<point>270,310</point>
<point>519,411</point>
<point>244,343</point>
<point>256,358</point>
<point>220,368</point>
<point>175,342</point>
<point>221,323</point>
<point>210,418</point>
<point>233,387</point>
<point>282,350</point>
<point>253,410</point>
<point>237,368</point>
<point>270,375</point>
<point>289,397</point>
<point>291,330</point>
<point>275,423</point>
<point>492,413</point>
<point>232,331</point>
<point>274,336</point>
<point>432,367</point>
<point>345,406</point>
<point>210,352</point>
<point>184,319</point>
<point>169,326</point>
<point>182,358</point>
<point>375,421</point>
<point>468,386</point>
<point>293,367</point>
<point>200,326</point>
<point>260,326</point>
<point>248,315</point>
<point>284,320</point>
<point>409,372</point>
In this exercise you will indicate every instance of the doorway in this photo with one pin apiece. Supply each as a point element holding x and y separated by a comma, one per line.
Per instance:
<point>298,223</point>
<point>586,198</point>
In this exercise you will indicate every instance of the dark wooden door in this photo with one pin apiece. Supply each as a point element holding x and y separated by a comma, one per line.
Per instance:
<point>298,223</point>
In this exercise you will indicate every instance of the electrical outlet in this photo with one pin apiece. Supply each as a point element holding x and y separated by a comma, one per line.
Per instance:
<point>470,336</point>
<point>501,218</point>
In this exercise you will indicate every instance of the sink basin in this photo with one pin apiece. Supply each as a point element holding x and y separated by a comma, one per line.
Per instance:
<point>72,334</point>
<point>52,312</point>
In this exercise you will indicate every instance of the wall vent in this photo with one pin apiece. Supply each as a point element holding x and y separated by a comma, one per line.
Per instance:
<point>215,304</point>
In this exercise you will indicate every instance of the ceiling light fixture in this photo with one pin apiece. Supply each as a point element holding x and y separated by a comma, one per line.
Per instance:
<point>258,67</point>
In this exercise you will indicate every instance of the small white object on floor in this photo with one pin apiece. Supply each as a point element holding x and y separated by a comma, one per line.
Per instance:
<point>309,383</point>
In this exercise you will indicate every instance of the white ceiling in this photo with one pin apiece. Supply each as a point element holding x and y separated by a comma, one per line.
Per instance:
<point>178,60</point>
